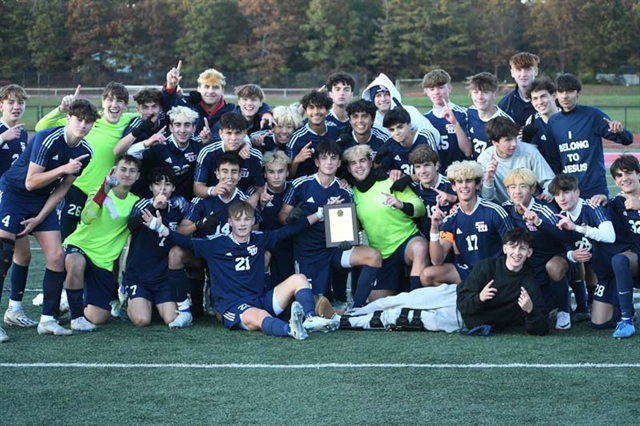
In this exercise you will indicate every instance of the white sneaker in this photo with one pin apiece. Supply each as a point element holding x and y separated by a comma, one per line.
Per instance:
<point>64,303</point>
<point>52,327</point>
<point>19,318</point>
<point>82,324</point>
<point>184,319</point>
<point>317,323</point>
<point>295,322</point>
<point>37,301</point>
<point>4,337</point>
<point>563,320</point>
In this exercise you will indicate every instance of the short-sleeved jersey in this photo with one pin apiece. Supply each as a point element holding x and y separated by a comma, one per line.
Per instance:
<point>448,150</point>
<point>627,218</point>
<point>250,169</point>
<point>478,235</point>
<point>578,135</point>
<point>50,150</point>
<point>269,142</point>
<point>546,146</point>
<point>428,197</point>
<point>10,150</point>
<point>376,139</point>
<point>518,109</point>
<point>308,193</point>
<point>398,157</point>
<point>302,137</point>
<point>202,207</point>
<point>148,257</point>
<point>335,120</point>
<point>475,129</point>
<point>103,239</point>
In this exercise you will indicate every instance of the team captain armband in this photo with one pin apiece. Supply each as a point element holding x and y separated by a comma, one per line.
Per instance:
<point>447,236</point>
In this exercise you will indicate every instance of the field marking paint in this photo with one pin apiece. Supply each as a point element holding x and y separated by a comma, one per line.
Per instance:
<point>314,366</point>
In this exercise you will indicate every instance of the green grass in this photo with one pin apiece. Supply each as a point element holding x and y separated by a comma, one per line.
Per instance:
<point>312,395</point>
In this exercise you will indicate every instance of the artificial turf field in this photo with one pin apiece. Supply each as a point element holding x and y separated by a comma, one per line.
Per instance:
<point>206,374</point>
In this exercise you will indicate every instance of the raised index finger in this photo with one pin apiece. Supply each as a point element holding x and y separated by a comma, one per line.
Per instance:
<point>19,125</point>
<point>179,66</point>
<point>77,92</point>
<point>81,157</point>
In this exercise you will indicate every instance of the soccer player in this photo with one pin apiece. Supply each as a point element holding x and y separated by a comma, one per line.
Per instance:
<point>13,140</point>
<point>340,87</point>
<point>147,263</point>
<point>361,130</point>
<point>96,244</point>
<point>448,118</point>
<point>524,68</point>
<point>287,120</point>
<point>483,88</point>
<point>233,130</point>
<point>476,229</point>
<point>179,149</point>
<point>552,269</point>
<point>578,131</point>
<point>506,154</point>
<point>625,207</point>
<point>542,93</point>
<point>32,188</point>
<point>309,193</point>
<point>236,265</point>
<point>594,239</point>
<point>103,138</point>
<point>501,292</point>
<point>388,220</point>
<point>304,141</point>
<point>250,100</point>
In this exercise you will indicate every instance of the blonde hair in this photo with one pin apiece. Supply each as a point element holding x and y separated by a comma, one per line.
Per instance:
<point>463,170</point>
<point>212,77</point>
<point>355,152</point>
<point>275,156</point>
<point>182,110</point>
<point>284,115</point>
<point>526,176</point>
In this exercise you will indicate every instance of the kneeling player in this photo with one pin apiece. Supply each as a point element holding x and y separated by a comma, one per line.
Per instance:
<point>236,267</point>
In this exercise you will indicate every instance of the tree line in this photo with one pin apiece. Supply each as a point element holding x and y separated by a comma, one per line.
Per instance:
<point>266,39</point>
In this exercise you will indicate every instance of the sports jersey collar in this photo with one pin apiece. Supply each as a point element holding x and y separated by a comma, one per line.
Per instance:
<point>575,213</point>
<point>353,134</point>
<point>478,199</point>
<point>438,111</point>
<point>174,143</point>
<point>326,128</point>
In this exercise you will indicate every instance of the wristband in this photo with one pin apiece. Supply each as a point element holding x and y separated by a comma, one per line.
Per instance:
<point>434,236</point>
<point>161,229</point>
<point>210,191</point>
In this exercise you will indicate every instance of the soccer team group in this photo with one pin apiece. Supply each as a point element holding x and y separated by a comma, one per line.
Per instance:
<point>473,219</point>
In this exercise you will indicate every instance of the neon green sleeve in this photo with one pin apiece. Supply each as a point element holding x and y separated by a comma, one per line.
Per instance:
<point>54,118</point>
<point>408,196</point>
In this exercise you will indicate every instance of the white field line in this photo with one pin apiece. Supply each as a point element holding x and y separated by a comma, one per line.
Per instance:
<point>317,366</point>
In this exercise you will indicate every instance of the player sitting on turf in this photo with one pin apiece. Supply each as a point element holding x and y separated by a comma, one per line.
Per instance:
<point>593,239</point>
<point>476,229</point>
<point>97,243</point>
<point>146,273</point>
<point>501,292</point>
<point>32,188</point>
<point>236,268</point>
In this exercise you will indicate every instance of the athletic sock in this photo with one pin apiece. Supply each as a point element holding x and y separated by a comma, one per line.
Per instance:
<point>339,279</point>
<point>624,281</point>
<point>76,308</point>
<point>579,292</point>
<point>18,281</point>
<point>178,282</point>
<point>184,306</point>
<point>414,282</point>
<point>591,290</point>
<point>275,327</point>
<point>560,295</point>
<point>15,305</point>
<point>305,297</point>
<point>52,283</point>
<point>368,276</point>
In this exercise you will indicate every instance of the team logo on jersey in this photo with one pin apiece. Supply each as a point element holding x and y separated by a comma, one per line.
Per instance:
<point>253,250</point>
<point>531,227</point>
<point>173,225</point>
<point>269,204</point>
<point>5,146</point>
<point>397,158</point>
<point>228,254</point>
<point>190,157</point>
<point>244,173</point>
<point>168,160</point>
<point>332,200</point>
<point>55,157</point>
<point>482,227</point>
<point>458,231</point>
<point>543,137</point>
<point>450,129</point>
<point>310,200</point>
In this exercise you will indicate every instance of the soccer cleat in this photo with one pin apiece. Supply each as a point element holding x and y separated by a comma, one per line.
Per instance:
<point>316,323</point>
<point>580,314</point>
<point>4,337</point>
<point>19,318</point>
<point>563,321</point>
<point>295,322</point>
<point>624,330</point>
<point>82,324</point>
<point>52,327</point>
<point>340,306</point>
<point>115,308</point>
<point>323,308</point>
<point>184,319</point>
<point>37,301</point>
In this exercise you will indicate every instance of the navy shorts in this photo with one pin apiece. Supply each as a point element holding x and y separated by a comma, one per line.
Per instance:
<point>392,274</point>
<point>606,291</point>
<point>464,271</point>
<point>70,210</point>
<point>15,209</point>
<point>231,317</point>
<point>155,293</point>
<point>99,283</point>
<point>318,272</point>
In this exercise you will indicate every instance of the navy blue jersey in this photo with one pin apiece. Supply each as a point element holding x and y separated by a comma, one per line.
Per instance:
<point>309,194</point>
<point>546,146</point>
<point>270,211</point>
<point>578,135</point>
<point>428,197</point>
<point>448,150</point>
<point>253,125</point>
<point>398,157</point>
<point>250,169</point>
<point>335,120</point>
<point>148,258</point>
<point>376,139</point>
<point>11,150</point>
<point>476,132</point>
<point>269,141</point>
<point>137,121</point>
<point>627,218</point>
<point>302,137</point>
<point>201,207</point>
<point>478,235</point>
<point>48,148</point>
<point>518,109</point>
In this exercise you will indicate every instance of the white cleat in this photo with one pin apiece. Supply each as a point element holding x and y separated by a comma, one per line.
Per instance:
<point>4,337</point>
<point>184,319</point>
<point>52,327</point>
<point>563,320</point>
<point>315,323</point>
<point>18,318</point>
<point>82,324</point>
<point>295,322</point>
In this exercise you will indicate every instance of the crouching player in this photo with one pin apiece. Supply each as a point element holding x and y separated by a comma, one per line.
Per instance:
<point>146,275</point>
<point>236,266</point>
<point>96,244</point>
